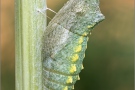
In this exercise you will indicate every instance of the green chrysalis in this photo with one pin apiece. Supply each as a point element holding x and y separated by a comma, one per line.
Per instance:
<point>65,42</point>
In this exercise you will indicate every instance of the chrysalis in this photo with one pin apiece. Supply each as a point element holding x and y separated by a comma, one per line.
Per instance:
<point>65,41</point>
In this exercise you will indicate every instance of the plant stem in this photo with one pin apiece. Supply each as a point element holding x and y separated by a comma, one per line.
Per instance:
<point>29,27</point>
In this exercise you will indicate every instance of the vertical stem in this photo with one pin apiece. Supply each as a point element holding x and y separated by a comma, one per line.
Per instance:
<point>30,25</point>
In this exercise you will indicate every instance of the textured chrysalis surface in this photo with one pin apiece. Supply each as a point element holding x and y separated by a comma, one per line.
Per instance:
<point>65,42</point>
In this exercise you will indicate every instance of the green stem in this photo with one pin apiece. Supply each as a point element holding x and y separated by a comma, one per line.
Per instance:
<point>30,25</point>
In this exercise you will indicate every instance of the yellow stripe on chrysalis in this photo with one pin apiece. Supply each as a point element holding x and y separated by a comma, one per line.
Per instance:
<point>78,48</point>
<point>73,68</point>
<point>84,34</point>
<point>69,80</point>
<point>75,57</point>
<point>80,40</point>
<point>90,26</point>
<point>65,88</point>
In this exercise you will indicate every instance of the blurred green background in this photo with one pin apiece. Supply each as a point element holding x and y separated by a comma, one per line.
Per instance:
<point>109,61</point>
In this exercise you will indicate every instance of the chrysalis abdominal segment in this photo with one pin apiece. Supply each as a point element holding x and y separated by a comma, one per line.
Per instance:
<point>65,41</point>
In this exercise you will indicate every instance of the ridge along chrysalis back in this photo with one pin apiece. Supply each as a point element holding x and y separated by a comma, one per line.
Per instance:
<point>65,41</point>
